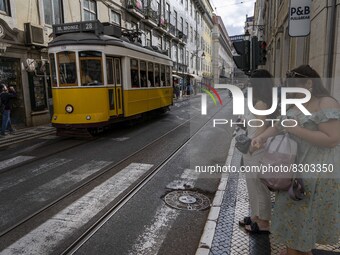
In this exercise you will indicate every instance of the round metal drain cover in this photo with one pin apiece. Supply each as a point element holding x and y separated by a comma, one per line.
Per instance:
<point>187,200</point>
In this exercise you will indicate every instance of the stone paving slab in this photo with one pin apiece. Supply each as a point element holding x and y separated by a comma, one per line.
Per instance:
<point>228,237</point>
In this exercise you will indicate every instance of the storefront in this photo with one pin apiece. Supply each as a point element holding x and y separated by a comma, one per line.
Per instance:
<point>31,107</point>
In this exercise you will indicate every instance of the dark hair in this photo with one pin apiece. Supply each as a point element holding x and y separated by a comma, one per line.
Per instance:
<point>304,73</point>
<point>262,83</point>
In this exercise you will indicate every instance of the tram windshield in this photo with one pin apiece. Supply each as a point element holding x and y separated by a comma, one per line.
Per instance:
<point>91,71</point>
<point>67,68</point>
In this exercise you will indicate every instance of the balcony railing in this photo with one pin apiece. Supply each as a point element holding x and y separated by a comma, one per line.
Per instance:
<point>136,5</point>
<point>151,14</point>
<point>172,29</point>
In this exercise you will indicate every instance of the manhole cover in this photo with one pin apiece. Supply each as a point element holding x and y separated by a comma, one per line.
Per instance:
<point>187,200</point>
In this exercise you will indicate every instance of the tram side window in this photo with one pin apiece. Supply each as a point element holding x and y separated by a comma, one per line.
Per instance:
<point>143,79</point>
<point>157,78</point>
<point>53,71</point>
<point>168,76</point>
<point>118,71</point>
<point>134,73</point>
<point>91,68</point>
<point>162,75</point>
<point>150,75</point>
<point>109,71</point>
<point>67,68</point>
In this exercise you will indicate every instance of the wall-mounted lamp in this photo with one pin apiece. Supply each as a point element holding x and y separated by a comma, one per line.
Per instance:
<point>195,53</point>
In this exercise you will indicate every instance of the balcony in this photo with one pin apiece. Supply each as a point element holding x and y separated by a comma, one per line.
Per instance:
<point>151,16</point>
<point>163,24</point>
<point>172,30</point>
<point>200,5</point>
<point>135,7</point>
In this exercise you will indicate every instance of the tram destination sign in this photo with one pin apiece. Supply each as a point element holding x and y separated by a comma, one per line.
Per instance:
<point>85,26</point>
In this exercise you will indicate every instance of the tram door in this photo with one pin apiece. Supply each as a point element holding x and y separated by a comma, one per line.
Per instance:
<point>114,80</point>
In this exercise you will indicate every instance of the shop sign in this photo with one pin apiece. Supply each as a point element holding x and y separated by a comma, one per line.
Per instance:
<point>299,17</point>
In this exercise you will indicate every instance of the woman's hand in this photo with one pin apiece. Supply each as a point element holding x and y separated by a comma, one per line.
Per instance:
<point>257,143</point>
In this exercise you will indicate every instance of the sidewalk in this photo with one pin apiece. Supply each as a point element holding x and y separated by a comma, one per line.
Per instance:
<point>26,134</point>
<point>222,234</point>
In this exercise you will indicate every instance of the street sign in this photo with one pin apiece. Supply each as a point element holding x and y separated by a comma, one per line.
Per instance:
<point>299,17</point>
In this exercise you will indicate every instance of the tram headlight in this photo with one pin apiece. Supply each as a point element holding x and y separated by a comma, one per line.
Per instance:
<point>69,108</point>
<point>88,117</point>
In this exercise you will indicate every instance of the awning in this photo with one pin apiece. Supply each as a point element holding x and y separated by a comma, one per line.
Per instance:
<point>196,77</point>
<point>176,76</point>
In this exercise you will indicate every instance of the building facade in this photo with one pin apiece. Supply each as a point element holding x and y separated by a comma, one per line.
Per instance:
<point>181,27</point>
<point>320,49</point>
<point>223,64</point>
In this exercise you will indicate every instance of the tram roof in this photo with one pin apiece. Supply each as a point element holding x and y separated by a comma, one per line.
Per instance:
<point>104,40</point>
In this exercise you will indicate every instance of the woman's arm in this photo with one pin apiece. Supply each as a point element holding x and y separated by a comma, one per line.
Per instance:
<point>328,133</point>
<point>262,133</point>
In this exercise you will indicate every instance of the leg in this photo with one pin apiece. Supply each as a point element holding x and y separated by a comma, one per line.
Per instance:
<point>5,116</point>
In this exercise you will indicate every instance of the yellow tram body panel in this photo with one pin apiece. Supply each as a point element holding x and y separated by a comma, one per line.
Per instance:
<point>137,101</point>
<point>86,102</point>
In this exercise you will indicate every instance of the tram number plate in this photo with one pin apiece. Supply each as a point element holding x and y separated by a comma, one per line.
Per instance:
<point>78,27</point>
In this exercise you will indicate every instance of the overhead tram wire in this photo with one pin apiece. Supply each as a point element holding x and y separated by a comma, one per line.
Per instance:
<point>242,2</point>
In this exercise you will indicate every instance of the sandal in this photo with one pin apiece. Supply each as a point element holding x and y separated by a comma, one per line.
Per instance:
<point>246,221</point>
<point>254,229</point>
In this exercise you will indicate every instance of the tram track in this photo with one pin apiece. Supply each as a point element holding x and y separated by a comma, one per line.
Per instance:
<point>123,199</point>
<point>88,181</point>
<point>126,198</point>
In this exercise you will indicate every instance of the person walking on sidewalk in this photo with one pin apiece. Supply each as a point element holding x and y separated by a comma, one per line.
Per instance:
<point>259,195</point>
<point>6,96</point>
<point>316,218</point>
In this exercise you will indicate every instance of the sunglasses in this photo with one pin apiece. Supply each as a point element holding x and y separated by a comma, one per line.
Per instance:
<point>293,74</point>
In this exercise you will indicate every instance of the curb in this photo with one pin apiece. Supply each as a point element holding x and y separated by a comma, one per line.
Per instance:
<point>210,226</point>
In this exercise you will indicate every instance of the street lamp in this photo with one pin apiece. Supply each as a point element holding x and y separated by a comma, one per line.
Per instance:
<point>247,35</point>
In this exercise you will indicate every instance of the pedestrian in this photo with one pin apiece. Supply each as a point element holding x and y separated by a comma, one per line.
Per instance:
<point>6,97</point>
<point>259,195</point>
<point>299,225</point>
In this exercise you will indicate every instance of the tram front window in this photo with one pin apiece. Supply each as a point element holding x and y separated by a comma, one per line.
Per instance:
<point>67,68</point>
<point>90,68</point>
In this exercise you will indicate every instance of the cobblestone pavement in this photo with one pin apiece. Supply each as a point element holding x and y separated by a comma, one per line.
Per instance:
<point>229,238</point>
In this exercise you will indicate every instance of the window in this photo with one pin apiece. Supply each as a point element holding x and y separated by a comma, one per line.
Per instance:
<point>67,68</point>
<point>186,4</point>
<point>115,18</point>
<point>162,75</point>
<point>91,68</point>
<point>109,71</point>
<point>168,73</point>
<point>143,78</point>
<point>150,75</point>
<point>186,28</point>
<point>53,71</point>
<point>157,78</point>
<point>53,12</point>
<point>134,73</point>
<point>181,24</point>
<point>167,12</point>
<point>175,15</point>
<point>90,10</point>
<point>191,34</point>
<point>4,7</point>
<point>148,38</point>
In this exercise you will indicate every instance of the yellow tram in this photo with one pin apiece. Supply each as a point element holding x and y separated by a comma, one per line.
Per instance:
<point>100,77</point>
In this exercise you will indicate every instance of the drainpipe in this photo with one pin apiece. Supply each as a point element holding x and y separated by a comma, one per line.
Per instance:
<point>331,41</point>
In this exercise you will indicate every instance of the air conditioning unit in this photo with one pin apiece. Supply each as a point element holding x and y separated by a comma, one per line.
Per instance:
<point>34,35</point>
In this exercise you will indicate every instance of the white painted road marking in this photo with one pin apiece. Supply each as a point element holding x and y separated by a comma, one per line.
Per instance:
<point>186,181</point>
<point>9,182</point>
<point>14,161</point>
<point>154,234</point>
<point>65,224</point>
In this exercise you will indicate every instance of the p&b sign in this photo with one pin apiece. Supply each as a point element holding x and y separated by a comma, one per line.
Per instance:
<point>299,17</point>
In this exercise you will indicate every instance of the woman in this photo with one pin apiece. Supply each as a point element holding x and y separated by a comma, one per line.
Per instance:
<point>316,219</point>
<point>258,193</point>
